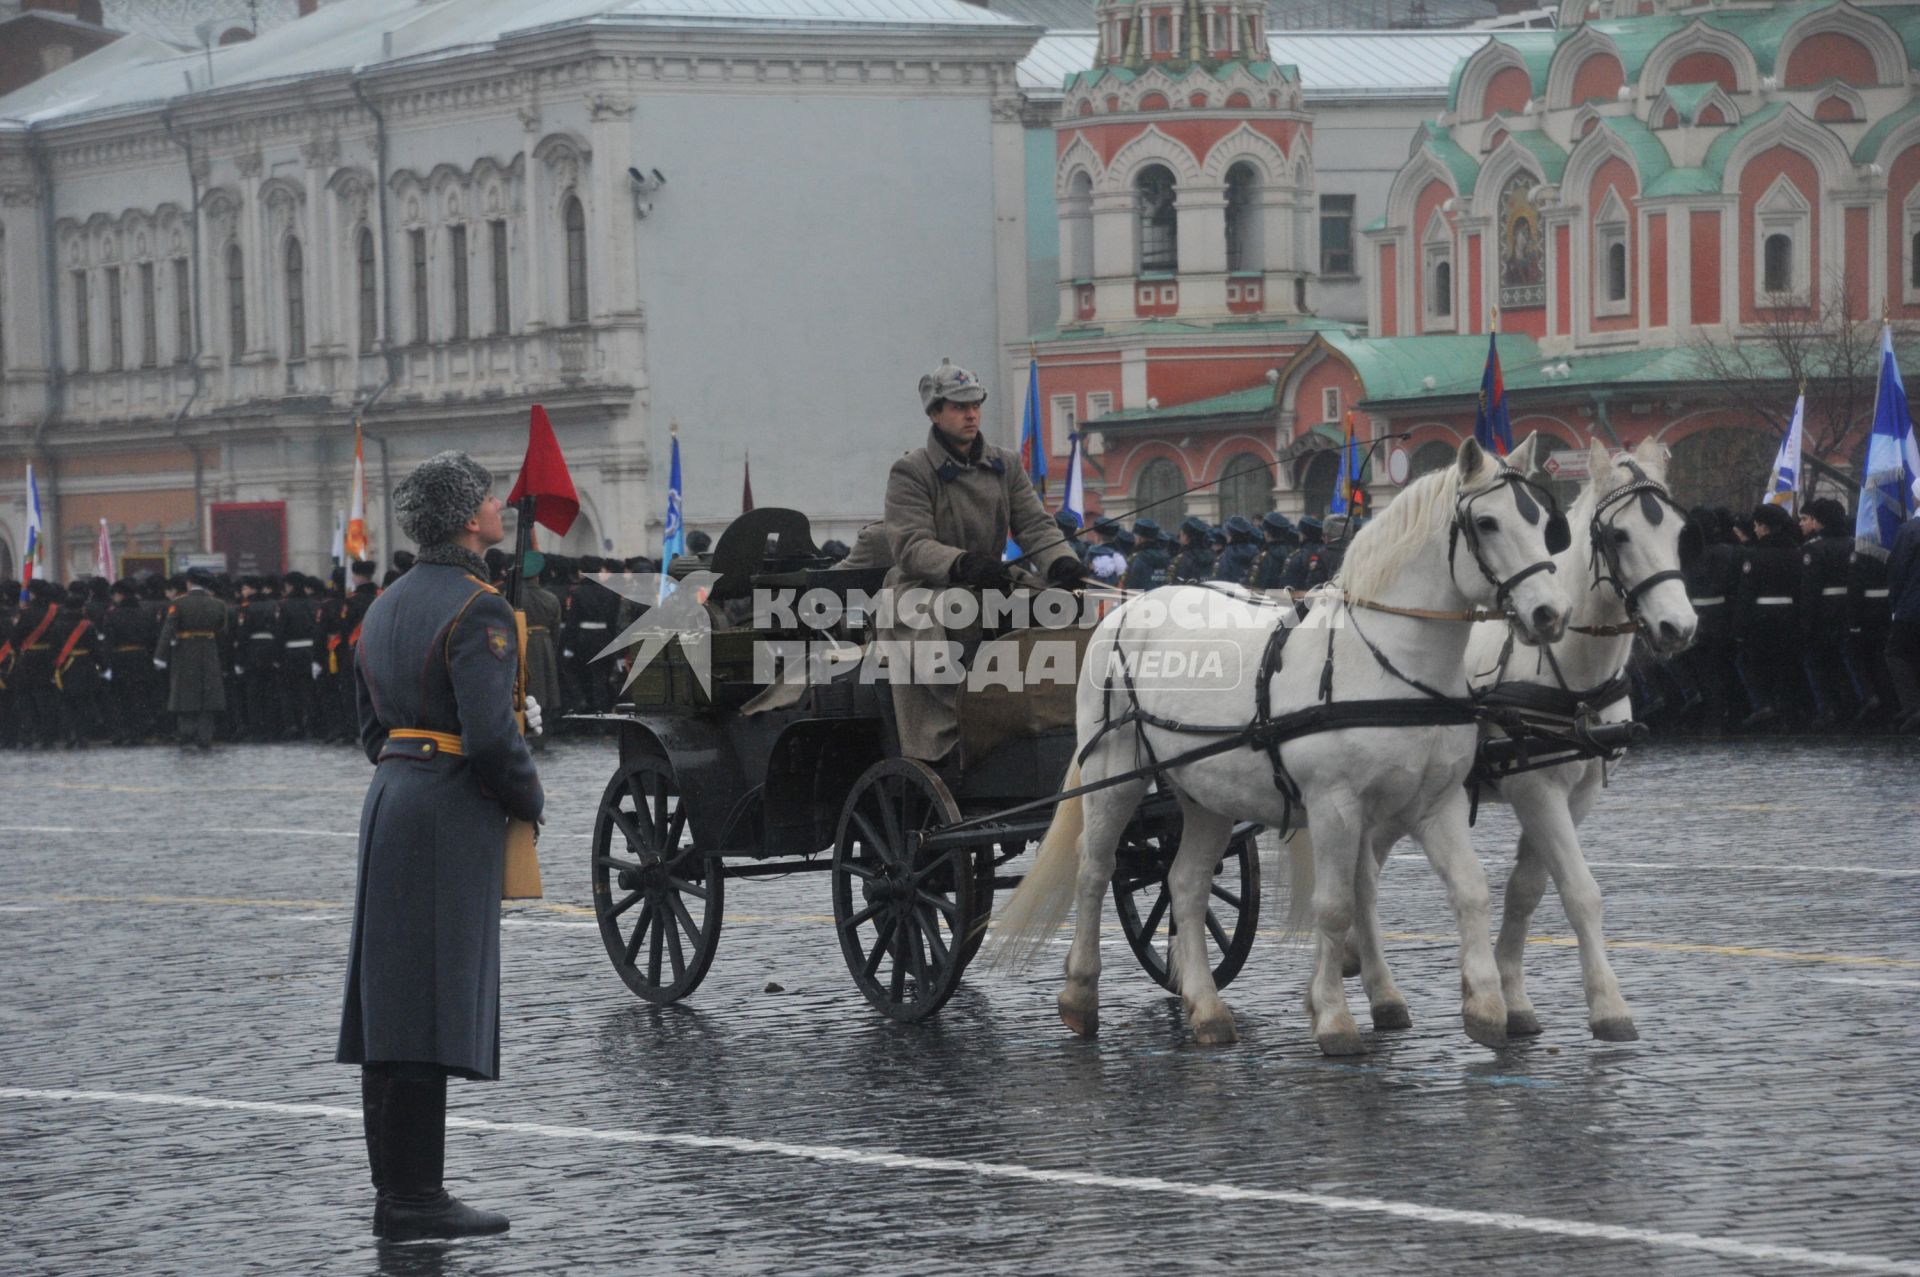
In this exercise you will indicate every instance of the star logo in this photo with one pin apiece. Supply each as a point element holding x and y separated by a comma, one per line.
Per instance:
<point>680,617</point>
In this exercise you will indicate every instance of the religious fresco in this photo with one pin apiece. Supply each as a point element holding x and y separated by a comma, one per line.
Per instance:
<point>1523,246</point>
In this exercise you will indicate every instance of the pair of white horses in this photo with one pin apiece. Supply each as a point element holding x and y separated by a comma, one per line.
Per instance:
<point>1391,626</point>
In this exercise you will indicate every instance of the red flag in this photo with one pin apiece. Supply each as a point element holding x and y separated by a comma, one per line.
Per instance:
<point>746,486</point>
<point>544,477</point>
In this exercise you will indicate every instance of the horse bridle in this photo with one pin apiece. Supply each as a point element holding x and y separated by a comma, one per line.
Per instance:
<point>1529,505</point>
<point>1654,501</point>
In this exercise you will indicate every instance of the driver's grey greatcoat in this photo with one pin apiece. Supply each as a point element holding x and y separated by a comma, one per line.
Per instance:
<point>938,508</point>
<point>437,652</point>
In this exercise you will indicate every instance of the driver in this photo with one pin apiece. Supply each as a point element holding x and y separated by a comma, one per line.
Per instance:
<point>951,507</point>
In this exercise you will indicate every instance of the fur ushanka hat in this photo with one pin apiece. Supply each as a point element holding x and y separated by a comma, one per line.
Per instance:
<point>443,492</point>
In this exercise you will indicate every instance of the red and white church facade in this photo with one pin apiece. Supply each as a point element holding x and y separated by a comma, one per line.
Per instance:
<point>1647,180</point>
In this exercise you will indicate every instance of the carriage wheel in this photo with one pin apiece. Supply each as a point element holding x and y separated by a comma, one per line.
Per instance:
<point>983,870</point>
<point>1145,906</point>
<point>657,896</point>
<point>907,918</point>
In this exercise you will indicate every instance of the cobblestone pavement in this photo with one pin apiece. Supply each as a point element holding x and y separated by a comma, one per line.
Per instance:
<point>172,944</point>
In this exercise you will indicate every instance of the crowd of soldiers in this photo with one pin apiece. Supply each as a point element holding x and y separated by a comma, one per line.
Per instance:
<point>205,656</point>
<point>1795,632</point>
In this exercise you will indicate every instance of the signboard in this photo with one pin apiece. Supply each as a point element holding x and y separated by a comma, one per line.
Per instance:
<point>1399,466</point>
<point>203,562</point>
<point>252,534</point>
<point>1571,466</point>
<point>133,565</point>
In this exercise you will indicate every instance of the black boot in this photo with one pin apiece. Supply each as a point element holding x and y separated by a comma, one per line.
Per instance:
<point>375,1082</point>
<point>413,1205</point>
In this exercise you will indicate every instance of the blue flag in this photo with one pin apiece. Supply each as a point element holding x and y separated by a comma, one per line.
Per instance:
<point>1887,489</point>
<point>1033,453</point>
<point>1491,428</point>
<point>673,538</point>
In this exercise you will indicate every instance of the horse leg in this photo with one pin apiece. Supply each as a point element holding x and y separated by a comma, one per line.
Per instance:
<point>1525,885</point>
<point>1553,825</point>
<point>1203,837</point>
<point>1450,851</point>
<point>1336,851</point>
<point>1106,815</point>
<point>1387,1003</point>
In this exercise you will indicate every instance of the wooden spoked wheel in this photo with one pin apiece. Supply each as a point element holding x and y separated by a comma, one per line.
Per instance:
<point>657,897</point>
<point>907,917</point>
<point>1145,905</point>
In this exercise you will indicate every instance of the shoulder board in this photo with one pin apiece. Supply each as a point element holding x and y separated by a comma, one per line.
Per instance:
<point>482,584</point>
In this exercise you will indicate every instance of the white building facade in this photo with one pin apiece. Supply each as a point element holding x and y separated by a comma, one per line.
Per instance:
<point>430,216</point>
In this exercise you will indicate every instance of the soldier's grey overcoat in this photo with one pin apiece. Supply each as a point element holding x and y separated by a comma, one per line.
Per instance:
<point>192,642</point>
<point>938,508</point>
<point>438,652</point>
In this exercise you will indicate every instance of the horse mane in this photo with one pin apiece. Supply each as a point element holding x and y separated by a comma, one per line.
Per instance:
<point>1394,536</point>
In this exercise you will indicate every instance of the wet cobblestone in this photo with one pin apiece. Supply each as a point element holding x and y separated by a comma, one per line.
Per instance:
<point>177,926</point>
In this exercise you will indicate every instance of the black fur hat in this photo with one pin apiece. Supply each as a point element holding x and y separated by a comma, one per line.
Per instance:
<point>443,492</point>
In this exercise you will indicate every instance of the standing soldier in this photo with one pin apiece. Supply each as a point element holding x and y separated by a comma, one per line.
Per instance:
<point>1270,569</point>
<point>543,653</point>
<point>35,699</point>
<point>572,592</point>
<point>1196,553</point>
<point>1824,560</point>
<point>257,631</point>
<point>130,632</point>
<point>435,671</point>
<point>1150,565</point>
<point>1710,579</point>
<point>299,633</point>
<point>9,613</point>
<point>1868,616</point>
<point>77,662</point>
<point>1305,570</point>
<point>1763,616</point>
<point>192,650</point>
<point>353,614</point>
<point>1236,562</point>
<point>592,609</point>
<point>328,696</point>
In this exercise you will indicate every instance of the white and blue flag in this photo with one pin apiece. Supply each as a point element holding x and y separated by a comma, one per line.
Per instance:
<point>673,539</point>
<point>1074,498</point>
<point>1784,490</point>
<point>1888,494</point>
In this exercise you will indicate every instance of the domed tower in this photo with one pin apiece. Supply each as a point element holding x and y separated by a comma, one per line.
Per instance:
<point>1185,180</point>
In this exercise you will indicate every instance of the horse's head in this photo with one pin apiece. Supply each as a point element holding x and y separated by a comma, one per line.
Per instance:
<point>1641,543</point>
<point>1508,527</point>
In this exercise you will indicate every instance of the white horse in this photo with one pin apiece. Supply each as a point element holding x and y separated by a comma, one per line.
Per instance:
<point>1627,547</point>
<point>1467,536</point>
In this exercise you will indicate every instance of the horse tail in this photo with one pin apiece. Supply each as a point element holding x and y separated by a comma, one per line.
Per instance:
<point>1023,926</point>
<point>1299,883</point>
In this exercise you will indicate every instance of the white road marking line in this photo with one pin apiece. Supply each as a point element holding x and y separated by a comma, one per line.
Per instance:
<point>1678,867</point>
<point>828,1153</point>
<point>1872,984</point>
<point>184,832</point>
<point>19,908</point>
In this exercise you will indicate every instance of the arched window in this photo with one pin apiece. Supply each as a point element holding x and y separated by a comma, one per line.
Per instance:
<point>1443,287</point>
<point>1076,228</point>
<point>236,302</point>
<point>296,302</point>
<point>1243,219</point>
<point>1154,206</point>
<point>1428,457</point>
<point>1322,469</point>
<point>1159,480</point>
<point>1777,272</point>
<point>576,223</point>
<point>1246,487</point>
<point>1617,271</point>
<point>1913,261</point>
<point>369,294</point>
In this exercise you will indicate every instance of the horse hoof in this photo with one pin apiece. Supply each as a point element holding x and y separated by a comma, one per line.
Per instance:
<point>1389,1016</point>
<point>1084,1021</point>
<point>1489,1033</point>
<point>1523,1024</point>
<point>1619,1029</point>
<point>1216,1032</point>
<point>1341,1043</point>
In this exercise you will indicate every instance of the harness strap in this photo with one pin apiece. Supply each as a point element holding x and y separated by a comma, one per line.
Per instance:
<point>1427,614</point>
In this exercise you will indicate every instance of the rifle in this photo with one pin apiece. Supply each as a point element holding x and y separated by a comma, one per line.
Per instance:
<point>522,881</point>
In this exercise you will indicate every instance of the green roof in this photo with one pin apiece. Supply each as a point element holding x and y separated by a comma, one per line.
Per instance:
<point>1187,327</point>
<point>1179,69</point>
<point>1869,148</point>
<point>1237,404</point>
<point>1650,158</point>
<point>1552,156</point>
<point>1635,38</point>
<point>1686,98</point>
<point>1392,370</point>
<point>1716,161</point>
<point>1464,168</point>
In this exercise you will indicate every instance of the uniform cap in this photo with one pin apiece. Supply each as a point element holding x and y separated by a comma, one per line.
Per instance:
<point>1147,530</point>
<point>1123,540</point>
<point>1828,513</point>
<point>1066,521</point>
<point>1194,523</point>
<point>1274,521</point>
<point>443,492</point>
<point>1239,525</point>
<point>952,383</point>
<point>1773,516</point>
<point>1311,523</point>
